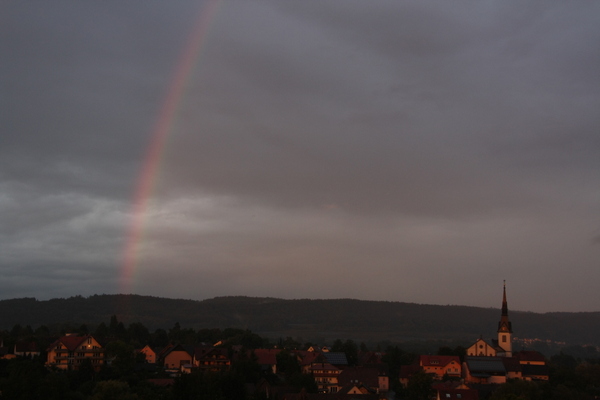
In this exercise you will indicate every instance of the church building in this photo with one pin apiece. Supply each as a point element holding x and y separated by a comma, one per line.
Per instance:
<point>501,347</point>
<point>494,361</point>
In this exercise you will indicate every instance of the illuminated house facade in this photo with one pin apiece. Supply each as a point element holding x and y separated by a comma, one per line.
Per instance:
<point>438,366</point>
<point>69,352</point>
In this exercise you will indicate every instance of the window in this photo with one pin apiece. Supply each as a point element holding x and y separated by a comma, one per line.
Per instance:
<point>504,338</point>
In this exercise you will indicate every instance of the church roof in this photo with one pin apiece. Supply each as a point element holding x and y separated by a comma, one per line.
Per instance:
<point>485,366</point>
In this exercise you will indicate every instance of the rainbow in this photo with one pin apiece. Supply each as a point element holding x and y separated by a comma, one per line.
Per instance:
<point>162,128</point>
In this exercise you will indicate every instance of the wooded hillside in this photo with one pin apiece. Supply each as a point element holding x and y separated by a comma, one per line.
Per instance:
<point>310,319</point>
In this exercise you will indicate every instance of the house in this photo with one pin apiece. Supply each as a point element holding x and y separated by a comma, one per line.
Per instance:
<point>174,356</point>
<point>326,376</point>
<point>453,390</point>
<point>373,379</point>
<point>267,359</point>
<point>533,365</point>
<point>336,358</point>
<point>26,349</point>
<point>150,354</point>
<point>484,370</point>
<point>307,358</point>
<point>370,357</point>
<point>512,368</point>
<point>438,366</point>
<point>212,358</point>
<point>69,352</point>
<point>318,349</point>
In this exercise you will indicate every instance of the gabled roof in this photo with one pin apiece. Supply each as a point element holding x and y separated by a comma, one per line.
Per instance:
<point>363,389</point>
<point>323,366</point>
<point>205,352</point>
<point>369,357</point>
<point>309,357</point>
<point>152,349</point>
<point>437,361</point>
<point>201,351</point>
<point>336,358</point>
<point>485,365</point>
<point>170,349</point>
<point>71,342</point>
<point>266,356</point>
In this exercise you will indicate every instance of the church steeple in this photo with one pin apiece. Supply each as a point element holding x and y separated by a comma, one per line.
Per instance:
<point>505,327</point>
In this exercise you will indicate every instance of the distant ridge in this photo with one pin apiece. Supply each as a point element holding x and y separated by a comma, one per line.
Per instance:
<point>364,320</point>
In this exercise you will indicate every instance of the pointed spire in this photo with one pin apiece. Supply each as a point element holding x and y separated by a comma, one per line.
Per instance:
<point>504,303</point>
<point>504,324</point>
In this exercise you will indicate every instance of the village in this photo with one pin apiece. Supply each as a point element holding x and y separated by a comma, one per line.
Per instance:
<point>284,372</point>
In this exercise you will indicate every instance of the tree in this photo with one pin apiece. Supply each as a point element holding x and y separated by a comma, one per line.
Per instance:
<point>209,385</point>
<point>419,387</point>
<point>160,338</point>
<point>123,357</point>
<point>247,367</point>
<point>138,333</point>
<point>101,331</point>
<point>113,390</point>
<point>518,390</point>
<point>287,363</point>
<point>25,380</point>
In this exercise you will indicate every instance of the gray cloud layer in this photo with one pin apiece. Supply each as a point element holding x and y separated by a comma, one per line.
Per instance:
<point>412,151</point>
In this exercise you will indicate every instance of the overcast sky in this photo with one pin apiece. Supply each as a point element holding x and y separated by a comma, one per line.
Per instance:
<point>415,151</point>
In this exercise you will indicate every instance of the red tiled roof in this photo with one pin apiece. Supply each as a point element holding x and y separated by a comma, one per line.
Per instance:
<point>267,356</point>
<point>203,352</point>
<point>437,361</point>
<point>370,357</point>
<point>71,342</point>
<point>309,357</point>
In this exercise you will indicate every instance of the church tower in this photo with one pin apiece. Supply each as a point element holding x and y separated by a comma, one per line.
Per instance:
<point>505,328</point>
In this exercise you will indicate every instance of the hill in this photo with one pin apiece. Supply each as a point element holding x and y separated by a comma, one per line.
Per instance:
<point>319,320</point>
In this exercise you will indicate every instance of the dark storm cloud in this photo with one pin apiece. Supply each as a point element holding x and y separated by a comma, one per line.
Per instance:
<point>318,146</point>
<point>452,120</point>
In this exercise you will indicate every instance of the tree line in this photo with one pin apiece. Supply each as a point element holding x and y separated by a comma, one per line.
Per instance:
<point>574,375</point>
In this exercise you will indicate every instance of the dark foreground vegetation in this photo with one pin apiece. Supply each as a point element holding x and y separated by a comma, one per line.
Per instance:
<point>574,373</point>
